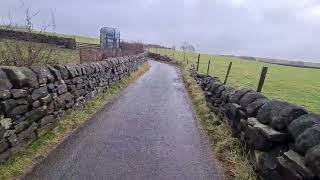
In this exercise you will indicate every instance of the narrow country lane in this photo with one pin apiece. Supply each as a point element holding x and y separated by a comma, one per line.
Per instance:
<point>148,132</point>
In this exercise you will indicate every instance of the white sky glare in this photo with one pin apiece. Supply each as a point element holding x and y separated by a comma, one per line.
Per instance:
<point>286,29</point>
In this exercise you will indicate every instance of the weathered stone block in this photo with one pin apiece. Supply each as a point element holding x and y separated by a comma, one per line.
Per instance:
<point>79,70</point>
<point>270,110</point>
<point>285,168</point>
<point>63,71</point>
<point>62,88</point>
<point>46,120</point>
<point>5,94</point>
<point>72,71</point>
<point>19,93</point>
<point>39,93</point>
<point>20,119</point>
<point>266,163</point>
<point>51,87</point>
<point>6,123</point>
<point>243,125</point>
<point>21,76</point>
<point>36,104</point>
<point>267,131</point>
<point>235,98</point>
<point>58,103</point>
<point>28,132</point>
<point>298,164</point>
<point>286,115</point>
<point>9,104</point>
<point>302,123</point>
<point>256,140</point>
<point>56,73</point>
<point>213,85</point>
<point>36,114</point>
<point>20,109</point>
<point>50,106</point>
<point>252,108</point>
<point>5,84</point>
<point>308,139</point>
<point>45,100</point>
<point>313,159</point>
<point>43,74</point>
<point>21,126</point>
<point>271,134</point>
<point>248,98</point>
<point>12,137</point>
<point>25,142</point>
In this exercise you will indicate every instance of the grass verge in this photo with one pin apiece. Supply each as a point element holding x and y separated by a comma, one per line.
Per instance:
<point>227,149</point>
<point>23,161</point>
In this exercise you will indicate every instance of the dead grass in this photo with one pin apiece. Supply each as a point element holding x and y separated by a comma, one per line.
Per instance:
<point>23,162</point>
<point>227,149</point>
<point>49,54</point>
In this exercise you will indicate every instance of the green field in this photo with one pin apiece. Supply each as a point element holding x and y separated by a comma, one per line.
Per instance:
<point>80,39</point>
<point>90,40</point>
<point>293,84</point>
<point>60,55</point>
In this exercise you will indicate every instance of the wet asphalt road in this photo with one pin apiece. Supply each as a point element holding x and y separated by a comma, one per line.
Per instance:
<point>148,132</point>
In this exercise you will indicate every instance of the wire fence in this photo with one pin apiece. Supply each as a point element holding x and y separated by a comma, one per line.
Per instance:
<point>293,84</point>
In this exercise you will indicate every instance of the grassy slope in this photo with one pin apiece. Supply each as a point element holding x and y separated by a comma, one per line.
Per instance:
<point>83,39</point>
<point>23,161</point>
<point>62,55</point>
<point>296,85</point>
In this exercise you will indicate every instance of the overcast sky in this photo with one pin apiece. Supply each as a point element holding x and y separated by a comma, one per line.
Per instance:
<point>286,29</point>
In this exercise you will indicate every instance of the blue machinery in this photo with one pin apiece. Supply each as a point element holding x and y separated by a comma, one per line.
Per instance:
<point>109,37</point>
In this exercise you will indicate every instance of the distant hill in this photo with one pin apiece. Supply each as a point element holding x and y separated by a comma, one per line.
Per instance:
<point>280,61</point>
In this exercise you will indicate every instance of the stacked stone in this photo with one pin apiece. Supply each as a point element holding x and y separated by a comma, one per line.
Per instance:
<point>159,57</point>
<point>283,139</point>
<point>33,98</point>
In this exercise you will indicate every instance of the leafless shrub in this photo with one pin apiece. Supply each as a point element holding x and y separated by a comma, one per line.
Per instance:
<point>15,52</point>
<point>187,47</point>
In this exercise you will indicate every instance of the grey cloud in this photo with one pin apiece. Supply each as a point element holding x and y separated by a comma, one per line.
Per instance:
<point>268,28</point>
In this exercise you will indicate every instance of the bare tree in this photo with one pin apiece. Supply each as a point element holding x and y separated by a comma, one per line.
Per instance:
<point>26,53</point>
<point>187,47</point>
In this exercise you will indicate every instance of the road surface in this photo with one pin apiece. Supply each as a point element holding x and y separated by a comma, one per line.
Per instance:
<point>148,132</point>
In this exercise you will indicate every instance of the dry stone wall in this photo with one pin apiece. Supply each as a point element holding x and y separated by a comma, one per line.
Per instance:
<point>39,38</point>
<point>33,98</point>
<point>159,57</point>
<point>282,139</point>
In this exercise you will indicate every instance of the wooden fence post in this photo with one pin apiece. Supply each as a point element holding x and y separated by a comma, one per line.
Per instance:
<point>227,75</point>
<point>198,62</point>
<point>173,53</point>
<point>156,50</point>
<point>184,56</point>
<point>262,78</point>
<point>80,54</point>
<point>187,60</point>
<point>208,68</point>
